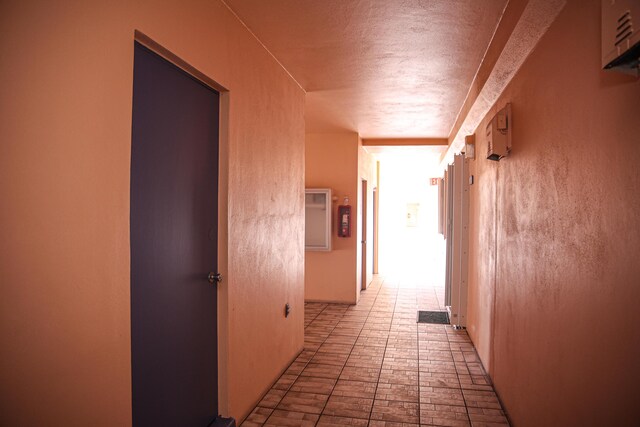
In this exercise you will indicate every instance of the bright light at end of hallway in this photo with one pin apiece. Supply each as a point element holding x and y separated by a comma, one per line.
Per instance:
<point>411,250</point>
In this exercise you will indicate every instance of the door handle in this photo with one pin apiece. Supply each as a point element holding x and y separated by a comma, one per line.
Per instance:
<point>214,277</point>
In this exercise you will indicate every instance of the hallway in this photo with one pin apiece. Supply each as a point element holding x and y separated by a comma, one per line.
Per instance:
<point>372,364</point>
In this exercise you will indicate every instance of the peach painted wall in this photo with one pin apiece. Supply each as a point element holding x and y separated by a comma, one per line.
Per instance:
<point>555,235</point>
<point>65,132</point>
<point>331,161</point>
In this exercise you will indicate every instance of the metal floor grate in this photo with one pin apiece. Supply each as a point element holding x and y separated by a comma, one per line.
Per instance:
<point>437,317</point>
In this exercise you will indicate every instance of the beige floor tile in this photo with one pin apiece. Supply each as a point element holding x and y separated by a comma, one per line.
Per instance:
<point>337,359</point>
<point>481,399</point>
<point>373,360</point>
<point>285,381</point>
<point>314,385</point>
<point>402,392</point>
<point>372,341</point>
<point>458,357</point>
<point>355,373</point>
<point>321,370</point>
<point>374,333</point>
<point>402,353</point>
<point>437,355</point>
<point>305,356</point>
<point>461,368</point>
<point>437,379</point>
<point>461,346</point>
<point>397,335</point>
<point>388,410</point>
<point>319,330</point>
<point>311,346</point>
<point>348,388</point>
<point>309,403</point>
<point>295,368</point>
<point>281,418</point>
<point>378,423</point>
<point>367,350</point>
<point>400,343</point>
<point>365,361</point>
<point>484,415</point>
<point>476,368</point>
<point>399,376</point>
<point>353,332</point>
<point>437,366</point>
<point>444,415</point>
<point>371,326</point>
<point>257,417</point>
<point>272,398</point>
<point>315,337</point>
<point>481,380</point>
<point>441,396</point>
<point>352,322</point>
<point>350,316</point>
<point>406,328</point>
<point>396,362</point>
<point>351,407</point>
<point>341,339</point>
<point>430,337</point>
<point>330,421</point>
<point>335,348</point>
<point>381,311</point>
<point>470,357</point>
<point>433,345</point>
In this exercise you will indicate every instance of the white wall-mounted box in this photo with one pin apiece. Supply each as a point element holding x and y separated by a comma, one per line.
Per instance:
<point>317,214</point>
<point>499,134</point>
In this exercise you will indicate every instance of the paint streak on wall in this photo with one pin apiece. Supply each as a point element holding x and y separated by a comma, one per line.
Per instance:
<point>555,234</point>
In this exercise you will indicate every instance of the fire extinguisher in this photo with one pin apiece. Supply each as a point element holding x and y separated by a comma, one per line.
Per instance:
<point>344,219</point>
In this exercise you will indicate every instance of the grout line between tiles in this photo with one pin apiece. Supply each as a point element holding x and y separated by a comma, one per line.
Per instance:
<point>383,294</point>
<point>375,392</point>
<point>345,363</point>
<point>466,408</point>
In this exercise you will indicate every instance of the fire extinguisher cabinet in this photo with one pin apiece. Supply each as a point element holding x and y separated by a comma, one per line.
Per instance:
<point>317,214</point>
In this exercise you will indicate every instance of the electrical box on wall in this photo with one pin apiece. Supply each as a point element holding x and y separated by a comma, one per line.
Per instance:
<point>499,134</point>
<point>620,38</point>
<point>470,147</point>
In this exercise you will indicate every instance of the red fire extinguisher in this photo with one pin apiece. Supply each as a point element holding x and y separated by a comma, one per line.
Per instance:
<point>344,219</point>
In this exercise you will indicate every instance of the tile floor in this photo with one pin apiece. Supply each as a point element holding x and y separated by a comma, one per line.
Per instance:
<point>372,365</point>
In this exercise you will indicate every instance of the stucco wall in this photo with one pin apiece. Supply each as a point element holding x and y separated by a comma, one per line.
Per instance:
<point>332,162</point>
<point>65,132</point>
<point>554,236</point>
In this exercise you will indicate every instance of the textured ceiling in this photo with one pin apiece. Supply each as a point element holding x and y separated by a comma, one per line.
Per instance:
<point>382,68</point>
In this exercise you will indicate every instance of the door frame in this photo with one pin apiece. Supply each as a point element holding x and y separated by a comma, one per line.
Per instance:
<point>363,233</point>
<point>375,219</point>
<point>223,209</point>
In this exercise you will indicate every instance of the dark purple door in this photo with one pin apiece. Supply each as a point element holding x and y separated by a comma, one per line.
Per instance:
<point>174,194</point>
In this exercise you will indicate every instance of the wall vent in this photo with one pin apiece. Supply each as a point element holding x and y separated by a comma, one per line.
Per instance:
<point>625,27</point>
<point>620,35</point>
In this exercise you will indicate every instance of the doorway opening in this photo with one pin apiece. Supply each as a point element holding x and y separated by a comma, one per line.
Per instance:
<point>411,252</point>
